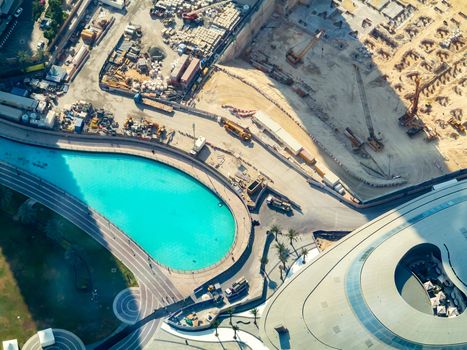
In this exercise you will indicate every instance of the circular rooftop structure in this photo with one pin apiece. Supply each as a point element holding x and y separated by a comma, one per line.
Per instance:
<point>398,282</point>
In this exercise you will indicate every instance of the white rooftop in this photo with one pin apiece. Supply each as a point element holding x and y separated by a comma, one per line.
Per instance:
<point>10,345</point>
<point>46,337</point>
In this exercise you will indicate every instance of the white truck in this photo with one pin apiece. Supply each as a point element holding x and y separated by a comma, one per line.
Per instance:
<point>198,146</point>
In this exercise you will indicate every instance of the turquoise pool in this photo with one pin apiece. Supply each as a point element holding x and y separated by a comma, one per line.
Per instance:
<point>175,218</point>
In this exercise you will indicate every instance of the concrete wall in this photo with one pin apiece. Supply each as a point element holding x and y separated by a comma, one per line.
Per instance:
<point>249,30</point>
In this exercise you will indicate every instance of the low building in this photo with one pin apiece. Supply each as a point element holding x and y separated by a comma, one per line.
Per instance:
<point>21,102</point>
<point>10,344</point>
<point>118,4</point>
<point>10,113</point>
<point>190,72</point>
<point>56,74</point>
<point>46,337</point>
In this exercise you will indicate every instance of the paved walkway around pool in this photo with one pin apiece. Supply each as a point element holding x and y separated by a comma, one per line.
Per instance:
<point>127,305</point>
<point>64,340</point>
<point>224,335</point>
<point>159,286</point>
<point>184,281</point>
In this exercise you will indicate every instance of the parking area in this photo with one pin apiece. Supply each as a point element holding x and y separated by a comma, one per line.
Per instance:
<point>25,35</point>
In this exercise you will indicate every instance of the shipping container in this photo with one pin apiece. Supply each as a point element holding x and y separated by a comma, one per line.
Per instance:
<point>10,113</point>
<point>179,69</point>
<point>190,72</point>
<point>18,101</point>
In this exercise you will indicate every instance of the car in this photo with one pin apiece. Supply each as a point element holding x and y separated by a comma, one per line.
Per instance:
<point>45,23</point>
<point>41,45</point>
<point>18,12</point>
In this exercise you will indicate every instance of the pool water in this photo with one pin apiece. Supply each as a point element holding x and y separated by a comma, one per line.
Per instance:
<point>172,216</point>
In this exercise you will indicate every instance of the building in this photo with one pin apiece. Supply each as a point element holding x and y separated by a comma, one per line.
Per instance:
<point>190,72</point>
<point>10,344</point>
<point>355,294</point>
<point>20,102</point>
<point>10,113</point>
<point>46,337</point>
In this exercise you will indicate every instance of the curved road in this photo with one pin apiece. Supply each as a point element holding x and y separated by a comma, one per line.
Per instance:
<point>155,288</point>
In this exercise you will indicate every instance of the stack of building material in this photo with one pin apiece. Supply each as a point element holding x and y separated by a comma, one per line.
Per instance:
<point>227,18</point>
<point>190,72</point>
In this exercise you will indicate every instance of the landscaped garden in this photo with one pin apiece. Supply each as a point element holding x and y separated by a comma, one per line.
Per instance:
<point>53,274</point>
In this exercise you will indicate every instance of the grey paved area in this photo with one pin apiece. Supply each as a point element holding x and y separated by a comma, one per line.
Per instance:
<point>127,305</point>
<point>64,340</point>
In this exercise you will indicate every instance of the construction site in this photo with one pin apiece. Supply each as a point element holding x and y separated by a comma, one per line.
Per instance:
<point>372,92</point>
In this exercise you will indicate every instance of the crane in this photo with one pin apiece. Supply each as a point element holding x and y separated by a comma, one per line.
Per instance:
<point>373,141</point>
<point>412,111</point>
<point>193,15</point>
<point>296,58</point>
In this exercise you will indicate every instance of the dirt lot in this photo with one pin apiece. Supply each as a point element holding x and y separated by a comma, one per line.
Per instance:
<point>328,71</point>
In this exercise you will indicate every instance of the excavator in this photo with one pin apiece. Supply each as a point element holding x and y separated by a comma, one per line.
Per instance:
<point>193,15</point>
<point>374,142</point>
<point>296,58</point>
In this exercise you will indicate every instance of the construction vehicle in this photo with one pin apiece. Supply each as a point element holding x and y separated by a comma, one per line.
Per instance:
<point>411,113</point>
<point>295,58</point>
<point>139,99</point>
<point>357,144</point>
<point>410,118</point>
<point>198,145</point>
<point>278,203</point>
<point>374,142</point>
<point>237,130</point>
<point>238,287</point>
<point>430,134</point>
<point>194,15</point>
<point>456,124</point>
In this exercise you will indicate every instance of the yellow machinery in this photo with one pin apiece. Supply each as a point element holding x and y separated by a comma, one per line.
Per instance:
<point>236,129</point>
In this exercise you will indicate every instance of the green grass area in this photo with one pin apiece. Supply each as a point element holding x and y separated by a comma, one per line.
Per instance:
<point>48,270</point>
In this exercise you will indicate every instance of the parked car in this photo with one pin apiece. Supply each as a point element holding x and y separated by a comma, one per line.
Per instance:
<point>18,12</point>
<point>41,45</point>
<point>45,23</point>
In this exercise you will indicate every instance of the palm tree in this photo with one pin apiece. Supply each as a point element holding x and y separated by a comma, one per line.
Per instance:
<point>276,230</point>
<point>54,229</point>
<point>6,196</point>
<point>283,259</point>
<point>254,312</point>
<point>282,252</point>
<point>281,269</point>
<point>305,252</point>
<point>230,310</point>
<point>27,214</point>
<point>216,325</point>
<point>292,235</point>
<point>235,329</point>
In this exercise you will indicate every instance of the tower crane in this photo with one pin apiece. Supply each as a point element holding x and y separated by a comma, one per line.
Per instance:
<point>296,58</point>
<point>373,141</point>
<point>193,15</point>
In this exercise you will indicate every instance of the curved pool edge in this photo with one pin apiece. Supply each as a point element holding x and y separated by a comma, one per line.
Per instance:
<point>165,154</point>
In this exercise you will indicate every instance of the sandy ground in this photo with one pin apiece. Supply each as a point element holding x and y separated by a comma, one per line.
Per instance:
<point>328,70</point>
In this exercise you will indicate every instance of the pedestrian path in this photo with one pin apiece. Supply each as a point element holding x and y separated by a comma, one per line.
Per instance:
<point>224,335</point>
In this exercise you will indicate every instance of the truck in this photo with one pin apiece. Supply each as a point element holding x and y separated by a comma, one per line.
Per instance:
<point>238,287</point>
<point>237,130</point>
<point>279,203</point>
<point>198,146</point>
<point>139,99</point>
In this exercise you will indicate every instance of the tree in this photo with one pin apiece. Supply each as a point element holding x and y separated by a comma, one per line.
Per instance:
<point>230,310</point>
<point>6,196</point>
<point>23,58</point>
<point>254,312</point>
<point>292,235</point>
<point>283,259</point>
<point>27,213</point>
<point>54,229</point>
<point>276,230</point>
<point>281,270</point>
<point>235,329</point>
<point>305,252</point>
